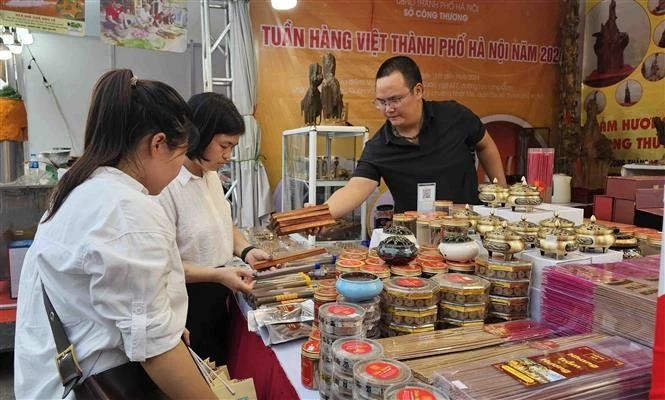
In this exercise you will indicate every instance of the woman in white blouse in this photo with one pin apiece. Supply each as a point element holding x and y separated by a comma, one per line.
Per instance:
<point>107,255</point>
<point>206,236</point>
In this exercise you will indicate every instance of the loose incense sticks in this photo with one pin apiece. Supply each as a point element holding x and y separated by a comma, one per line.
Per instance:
<point>290,257</point>
<point>427,344</point>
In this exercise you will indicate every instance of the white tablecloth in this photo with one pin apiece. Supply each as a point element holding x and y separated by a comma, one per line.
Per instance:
<point>288,355</point>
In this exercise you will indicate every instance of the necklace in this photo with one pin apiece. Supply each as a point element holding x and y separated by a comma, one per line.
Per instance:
<point>413,139</point>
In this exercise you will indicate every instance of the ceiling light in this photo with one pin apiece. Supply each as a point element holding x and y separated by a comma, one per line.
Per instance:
<point>283,4</point>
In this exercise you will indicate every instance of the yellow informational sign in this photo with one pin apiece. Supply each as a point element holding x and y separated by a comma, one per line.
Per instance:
<point>56,16</point>
<point>499,58</point>
<point>153,25</point>
<point>624,72</point>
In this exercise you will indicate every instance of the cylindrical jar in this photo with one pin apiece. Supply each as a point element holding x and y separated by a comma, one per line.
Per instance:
<point>309,364</point>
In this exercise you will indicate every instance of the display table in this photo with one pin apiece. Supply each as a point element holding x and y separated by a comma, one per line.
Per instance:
<point>275,370</point>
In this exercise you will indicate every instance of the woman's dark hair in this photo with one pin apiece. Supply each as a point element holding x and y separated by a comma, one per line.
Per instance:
<point>124,110</point>
<point>213,114</point>
<point>404,65</point>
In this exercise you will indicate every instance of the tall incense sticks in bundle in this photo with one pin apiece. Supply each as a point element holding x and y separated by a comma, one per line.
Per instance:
<point>301,220</point>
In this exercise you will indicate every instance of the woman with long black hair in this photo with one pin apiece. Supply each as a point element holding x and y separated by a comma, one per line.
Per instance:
<point>106,253</point>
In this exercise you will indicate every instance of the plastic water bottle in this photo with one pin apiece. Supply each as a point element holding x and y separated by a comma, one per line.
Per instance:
<point>33,170</point>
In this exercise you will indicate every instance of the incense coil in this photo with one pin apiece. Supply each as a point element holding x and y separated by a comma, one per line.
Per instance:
<point>410,292</point>
<point>410,316</point>
<point>501,269</point>
<point>463,313</point>
<point>462,289</point>
<point>508,317</point>
<point>509,305</point>
<point>409,270</point>
<point>509,288</point>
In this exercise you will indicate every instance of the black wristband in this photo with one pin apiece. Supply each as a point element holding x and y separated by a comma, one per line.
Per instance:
<point>244,252</point>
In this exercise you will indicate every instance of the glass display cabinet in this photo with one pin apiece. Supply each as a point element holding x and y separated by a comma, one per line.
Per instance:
<point>316,161</point>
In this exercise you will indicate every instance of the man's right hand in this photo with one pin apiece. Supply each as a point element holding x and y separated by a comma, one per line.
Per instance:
<point>313,231</point>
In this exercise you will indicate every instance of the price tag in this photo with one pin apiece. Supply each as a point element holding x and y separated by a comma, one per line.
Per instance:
<point>426,197</point>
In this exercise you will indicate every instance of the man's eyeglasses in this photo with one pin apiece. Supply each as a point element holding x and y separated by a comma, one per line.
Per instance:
<point>393,102</point>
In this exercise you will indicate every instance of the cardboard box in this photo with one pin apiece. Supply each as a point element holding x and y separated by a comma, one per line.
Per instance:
<point>625,187</point>
<point>624,211</point>
<point>649,218</point>
<point>649,198</point>
<point>540,262</point>
<point>603,207</point>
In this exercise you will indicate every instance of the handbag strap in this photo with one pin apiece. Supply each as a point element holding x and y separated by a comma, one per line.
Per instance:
<point>66,361</point>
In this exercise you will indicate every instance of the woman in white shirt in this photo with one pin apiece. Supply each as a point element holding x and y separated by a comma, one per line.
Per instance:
<point>106,255</point>
<point>206,236</point>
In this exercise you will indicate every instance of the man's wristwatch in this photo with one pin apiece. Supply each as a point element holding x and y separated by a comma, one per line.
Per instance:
<point>245,251</point>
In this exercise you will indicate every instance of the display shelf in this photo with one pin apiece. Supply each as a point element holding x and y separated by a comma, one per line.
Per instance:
<point>323,183</point>
<point>312,157</point>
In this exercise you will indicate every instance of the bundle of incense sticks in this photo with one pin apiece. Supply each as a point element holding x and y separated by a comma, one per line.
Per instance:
<point>290,257</point>
<point>540,165</point>
<point>301,220</point>
<point>617,298</point>
<point>428,344</point>
<point>281,290</point>
<point>425,369</point>
<point>607,367</point>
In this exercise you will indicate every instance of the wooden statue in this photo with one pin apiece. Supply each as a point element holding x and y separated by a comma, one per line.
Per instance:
<point>595,152</point>
<point>310,105</point>
<point>610,44</point>
<point>331,95</point>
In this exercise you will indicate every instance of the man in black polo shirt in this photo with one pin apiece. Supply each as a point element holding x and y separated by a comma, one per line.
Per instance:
<point>421,142</point>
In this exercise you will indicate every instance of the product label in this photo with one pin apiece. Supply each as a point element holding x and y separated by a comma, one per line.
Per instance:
<point>311,346</point>
<point>288,296</point>
<point>356,347</point>
<point>382,370</point>
<point>307,369</point>
<point>544,369</point>
<point>409,282</point>
<point>414,393</point>
<point>341,310</point>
